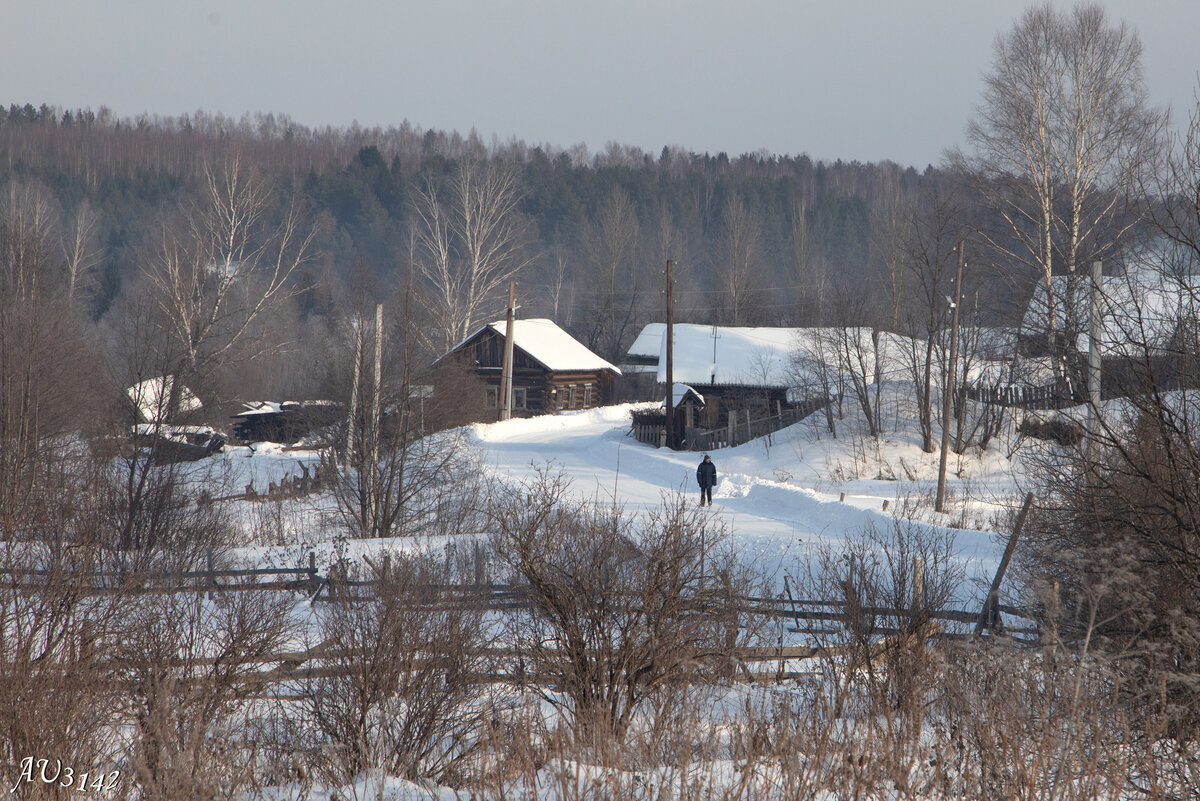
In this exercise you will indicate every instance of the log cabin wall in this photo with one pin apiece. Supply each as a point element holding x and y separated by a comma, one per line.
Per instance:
<point>536,389</point>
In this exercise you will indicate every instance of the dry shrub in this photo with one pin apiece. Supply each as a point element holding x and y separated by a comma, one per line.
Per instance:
<point>1115,550</point>
<point>58,700</point>
<point>401,687</point>
<point>1030,725</point>
<point>620,608</point>
<point>887,585</point>
<point>192,667</point>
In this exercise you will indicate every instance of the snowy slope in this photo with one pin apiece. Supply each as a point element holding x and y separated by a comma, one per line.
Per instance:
<point>777,501</point>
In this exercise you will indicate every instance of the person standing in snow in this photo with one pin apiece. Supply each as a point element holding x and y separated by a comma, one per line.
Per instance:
<point>706,477</point>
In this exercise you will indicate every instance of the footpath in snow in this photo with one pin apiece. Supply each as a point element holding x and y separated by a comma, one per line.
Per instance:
<point>774,500</point>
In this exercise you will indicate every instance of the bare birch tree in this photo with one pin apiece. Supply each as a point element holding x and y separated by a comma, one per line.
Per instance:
<point>390,474</point>
<point>929,249</point>
<point>738,251</point>
<point>81,252</point>
<point>226,263</point>
<point>471,238</point>
<point>44,362</point>
<point>610,246</point>
<point>1063,130</point>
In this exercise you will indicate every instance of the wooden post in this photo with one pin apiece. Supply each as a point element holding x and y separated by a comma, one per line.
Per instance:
<point>670,354</point>
<point>993,596</point>
<point>314,581</point>
<point>480,577</point>
<point>505,393</point>
<point>940,502</point>
<point>1094,356</point>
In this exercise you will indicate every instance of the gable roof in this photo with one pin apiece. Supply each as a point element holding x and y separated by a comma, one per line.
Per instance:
<point>1140,309</point>
<point>742,356</point>
<point>150,398</point>
<point>547,344</point>
<point>680,393</point>
<point>739,356</point>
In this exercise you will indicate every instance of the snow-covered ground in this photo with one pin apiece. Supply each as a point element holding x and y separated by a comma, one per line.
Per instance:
<point>777,498</point>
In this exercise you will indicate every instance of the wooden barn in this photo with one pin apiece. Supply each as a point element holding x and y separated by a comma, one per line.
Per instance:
<point>552,371</point>
<point>733,369</point>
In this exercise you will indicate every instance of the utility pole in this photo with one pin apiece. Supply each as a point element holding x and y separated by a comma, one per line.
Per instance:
<point>670,404</point>
<point>376,420</point>
<point>359,345</point>
<point>506,378</point>
<point>1094,355</point>
<point>940,502</point>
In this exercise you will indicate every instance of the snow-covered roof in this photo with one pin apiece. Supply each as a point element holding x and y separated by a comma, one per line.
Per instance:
<point>745,356</point>
<point>649,342</point>
<point>707,354</point>
<point>548,344</point>
<point>150,398</point>
<point>265,407</point>
<point>680,392</point>
<point>1138,310</point>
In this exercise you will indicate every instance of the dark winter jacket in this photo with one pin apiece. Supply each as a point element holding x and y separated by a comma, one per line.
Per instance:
<point>706,474</point>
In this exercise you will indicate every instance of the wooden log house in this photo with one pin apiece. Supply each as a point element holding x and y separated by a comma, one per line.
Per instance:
<point>552,371</point>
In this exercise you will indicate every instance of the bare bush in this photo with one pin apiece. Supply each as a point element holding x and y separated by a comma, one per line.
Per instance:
<point>393,473</point>
<point>1115,546</point>
<point>887,585</point>
<point>1036,725</point>
<point>58,700</point>
<point>401,687</point>
<point>192,666</point>
<point>619,607</point>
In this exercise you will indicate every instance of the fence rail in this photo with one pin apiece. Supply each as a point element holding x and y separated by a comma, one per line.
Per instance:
<point>740,427</point>
<point>1023,397</point>
<point>285,672</point>
<point>336,587</point>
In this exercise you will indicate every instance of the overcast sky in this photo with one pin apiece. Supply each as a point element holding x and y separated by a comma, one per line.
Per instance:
<point>851,79</point>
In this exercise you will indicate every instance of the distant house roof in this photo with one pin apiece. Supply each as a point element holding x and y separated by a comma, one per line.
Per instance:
<point>150,398</point>
<point>547,344</point>
<point>706,354</point>
<point>1138,310</point>
<point>740,356</point>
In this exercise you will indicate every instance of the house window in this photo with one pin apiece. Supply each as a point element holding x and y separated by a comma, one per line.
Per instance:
<point>587,395</point>
<point>519,397</point>
<point>571,396</point>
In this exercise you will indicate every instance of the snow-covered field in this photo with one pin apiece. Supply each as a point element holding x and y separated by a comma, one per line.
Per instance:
<point>777,498</point>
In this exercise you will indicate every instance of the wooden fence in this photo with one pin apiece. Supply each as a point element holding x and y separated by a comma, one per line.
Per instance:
<point>740,427</point>
<point>335,587</point>
<point>278,673</point>
<point>141,582</point>
<point>1020,396</point>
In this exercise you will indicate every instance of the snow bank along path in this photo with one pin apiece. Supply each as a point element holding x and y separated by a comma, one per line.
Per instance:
<point>773,522</point>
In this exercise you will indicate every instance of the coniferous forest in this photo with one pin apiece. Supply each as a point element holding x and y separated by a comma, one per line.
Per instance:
<point>757,238</point>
